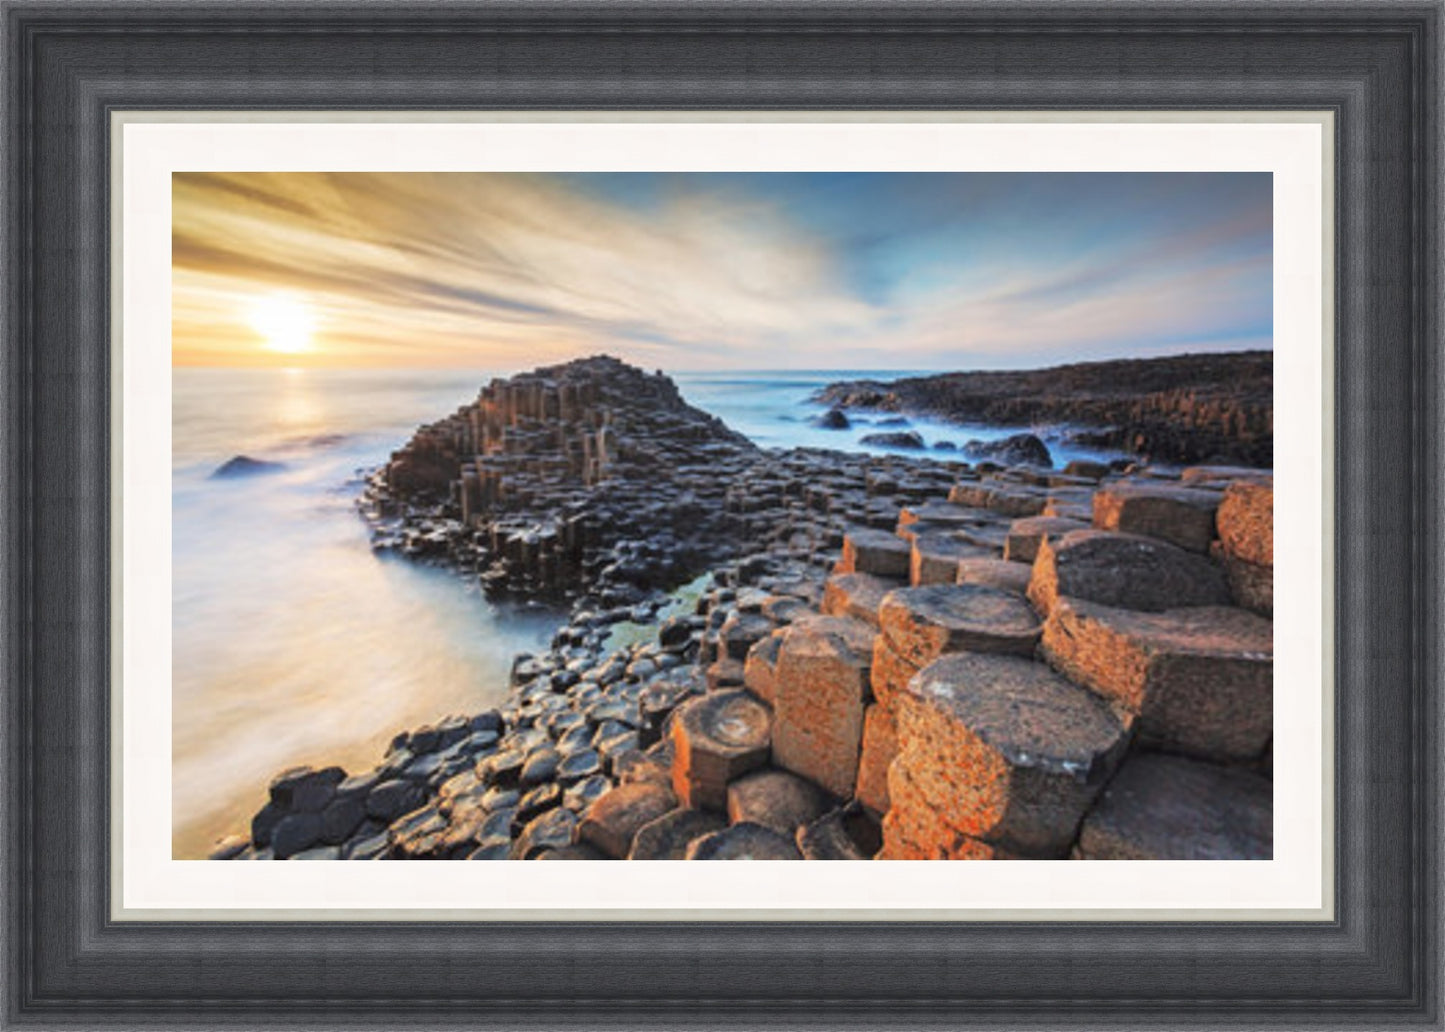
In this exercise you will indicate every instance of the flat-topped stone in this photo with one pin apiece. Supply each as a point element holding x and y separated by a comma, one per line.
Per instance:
<point>668,837</point>
<point>924,623</point>
<point>1183,516</point>
<point>1025,535</point>
<point>1162,807</point>
<point>827,838</point>
<point>822,686</point>
<point>614,819</point>
<point>856,595</point>
<point>1124,570</point>
<point>775,799</point>
<point>936,555</point>
<point>744,842</point>
<point>995,573</point>
<point>1003,750</point>
<point>878,552</point>
<point>1200,680</point>
<point>716,738</point>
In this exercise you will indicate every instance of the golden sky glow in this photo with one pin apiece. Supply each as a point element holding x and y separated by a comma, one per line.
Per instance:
<point>502,271</point>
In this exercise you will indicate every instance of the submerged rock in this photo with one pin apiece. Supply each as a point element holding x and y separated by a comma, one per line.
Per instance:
<point>245,466</point>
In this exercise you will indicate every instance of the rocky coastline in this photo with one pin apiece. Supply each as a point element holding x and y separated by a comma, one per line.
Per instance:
<point>1187,409</point>
<point>809,654</point>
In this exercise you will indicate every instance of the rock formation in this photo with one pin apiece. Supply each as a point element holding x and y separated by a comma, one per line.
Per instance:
<point>893,657</point>
<point>1181,409</point>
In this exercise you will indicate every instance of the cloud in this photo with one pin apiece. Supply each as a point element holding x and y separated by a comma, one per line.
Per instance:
<point>502,271</point>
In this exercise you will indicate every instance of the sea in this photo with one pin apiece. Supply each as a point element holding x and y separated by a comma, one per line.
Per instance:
<point>292,642</point>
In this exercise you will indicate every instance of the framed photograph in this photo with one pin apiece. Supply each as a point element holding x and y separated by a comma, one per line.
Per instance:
<point>786,433</point>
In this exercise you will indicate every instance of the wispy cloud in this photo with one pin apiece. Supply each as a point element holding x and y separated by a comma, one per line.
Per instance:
<point>744,271</point>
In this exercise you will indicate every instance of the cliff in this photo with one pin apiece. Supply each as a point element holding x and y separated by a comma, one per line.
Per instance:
<point>1180,409</point>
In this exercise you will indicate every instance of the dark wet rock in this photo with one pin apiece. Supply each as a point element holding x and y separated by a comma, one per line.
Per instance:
<point>909,439</point>
<point>391,799</point>
<point>305,789</point>
<point>1183,408</point>
<point>318,853</point>
<point>833,419</point>
<point>245,466</point>
<point>554,829</point>
<point>341,818</point>
<point>614,819</point>
<point>294,833</point>
<point>1016,450</point>
<point>743,842</point>
<point>373,847</point>
<point>669,836</point>
<point>494,849</point>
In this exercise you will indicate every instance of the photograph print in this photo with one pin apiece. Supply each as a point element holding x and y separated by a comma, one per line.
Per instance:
<point>722,516</point>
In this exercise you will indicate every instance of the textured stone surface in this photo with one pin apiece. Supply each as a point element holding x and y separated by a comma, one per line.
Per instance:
<point>613,820</point>
<point>1170,808</point>
<point>827,838</point>
<point>668,837</point>
<point>1124,570</point>
<point>922,624</point>
<point>775,799</point>
<point>760,671</point>
<point>1251,585</point>
<point>914,830</point>
<point>1183,516</point>
<point>890,672</point>
<point>880,746</point>
<point>875,551</point>
<point>1246,521</point>
<point>1025,535</point>
<point>1200,680</point>
<point>822,687</point>
<point>936,555</point>
<point>1001,749</point>
<point>717,738</point>
<point>994,573</point>
<point>856,595</point>
<point>744,842</point>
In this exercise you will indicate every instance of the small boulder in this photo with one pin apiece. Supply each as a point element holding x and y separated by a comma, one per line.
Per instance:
<point>908,439</point>
<point>1125,571</point>
<point>775,799</point>
<point>614,819</point>
<point>922,624</point>
<point>245,466</point>
<point>743,842</point>
<point>669,836</point>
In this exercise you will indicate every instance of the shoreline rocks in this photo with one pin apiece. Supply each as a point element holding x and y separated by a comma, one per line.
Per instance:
<point>851,656</point>
<point>1216,408</point>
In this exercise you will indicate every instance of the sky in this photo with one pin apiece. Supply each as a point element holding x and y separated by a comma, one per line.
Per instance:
<point>685,271</point>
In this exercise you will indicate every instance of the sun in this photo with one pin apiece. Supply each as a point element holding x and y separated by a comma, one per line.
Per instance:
<point>284,323</point>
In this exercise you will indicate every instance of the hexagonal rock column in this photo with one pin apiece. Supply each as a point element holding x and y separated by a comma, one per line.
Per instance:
<point>1200,680</point>
<point>880,746</point>
<point>822,686</point>
<point>936,555</point>
<point>668,837</point>
<point>614,819</point>
<point>743,842</point>
<point>1169,808</point>
<point>1001,750</point>
<point>1025,535</point>
<point>716,738</point>
<point>913,830</point>
<point>922,624</point>
<point>1183,516</point>
<point>994,573</point>
<point>890,672</point>
<point>1246,542</point>
<point>1124,570</point>
<point>874,551</point>
<point>775,799</point>
<point>856,595</point>
<point>827,838</point>
<point>760,672</point>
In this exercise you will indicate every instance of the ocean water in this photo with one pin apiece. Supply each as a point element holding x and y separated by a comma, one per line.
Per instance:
<point>292,642</point>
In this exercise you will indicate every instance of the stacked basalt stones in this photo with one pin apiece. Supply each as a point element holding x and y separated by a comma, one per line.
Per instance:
<point>909,660</point>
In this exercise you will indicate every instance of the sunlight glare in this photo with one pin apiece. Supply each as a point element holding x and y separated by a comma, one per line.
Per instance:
<point>284,322</point>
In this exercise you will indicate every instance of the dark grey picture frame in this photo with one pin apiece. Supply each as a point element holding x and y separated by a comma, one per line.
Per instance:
<point>1376,66</point>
